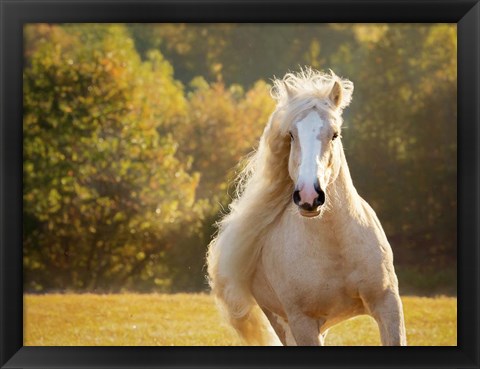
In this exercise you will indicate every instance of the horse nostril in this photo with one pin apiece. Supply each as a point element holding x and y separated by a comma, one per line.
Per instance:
<point>316,185</point>
<point>296,197</point>
<point>320,200</point>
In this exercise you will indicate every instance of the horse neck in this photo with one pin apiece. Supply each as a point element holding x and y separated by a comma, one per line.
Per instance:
<point>342,193</point>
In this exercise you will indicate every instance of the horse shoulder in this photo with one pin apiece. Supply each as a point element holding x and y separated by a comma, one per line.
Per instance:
<point>374,271</point>
<point>263,291</point>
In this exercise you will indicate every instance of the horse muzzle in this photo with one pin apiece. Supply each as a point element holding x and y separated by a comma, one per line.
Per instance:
<point>310,208</point>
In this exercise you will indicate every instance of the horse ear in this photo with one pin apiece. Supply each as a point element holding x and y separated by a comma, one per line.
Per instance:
<point>288,90</point>
<point>281,90</point>
<point>336,94</point>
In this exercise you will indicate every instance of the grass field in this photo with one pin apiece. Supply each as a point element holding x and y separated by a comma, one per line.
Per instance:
<point>192,319</point>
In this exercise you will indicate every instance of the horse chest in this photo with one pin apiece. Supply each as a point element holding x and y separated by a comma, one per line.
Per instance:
<point>313,275</point>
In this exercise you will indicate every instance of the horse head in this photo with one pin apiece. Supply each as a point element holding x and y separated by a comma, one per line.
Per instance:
<point>314,118</point>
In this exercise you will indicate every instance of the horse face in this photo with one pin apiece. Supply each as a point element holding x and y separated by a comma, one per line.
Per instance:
<point>312,159</point>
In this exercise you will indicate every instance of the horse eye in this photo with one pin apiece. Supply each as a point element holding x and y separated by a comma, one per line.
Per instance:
<point>291,136</point>
<point>335,135</point>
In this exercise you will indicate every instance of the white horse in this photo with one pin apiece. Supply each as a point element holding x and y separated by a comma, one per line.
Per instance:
<point>300,246</point>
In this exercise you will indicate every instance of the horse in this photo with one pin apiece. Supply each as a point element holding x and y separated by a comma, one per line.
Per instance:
<point>300,250</point>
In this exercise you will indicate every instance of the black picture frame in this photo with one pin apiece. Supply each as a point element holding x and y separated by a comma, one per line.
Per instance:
<point>14,14</point>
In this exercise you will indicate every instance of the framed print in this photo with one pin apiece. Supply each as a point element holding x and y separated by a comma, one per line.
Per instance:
<point>175,189</point>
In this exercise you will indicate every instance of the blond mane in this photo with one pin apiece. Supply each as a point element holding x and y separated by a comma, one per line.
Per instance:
<point>264,189</point>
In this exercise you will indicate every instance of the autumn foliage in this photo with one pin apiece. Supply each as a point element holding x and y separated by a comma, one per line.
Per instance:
<point>133,135</point>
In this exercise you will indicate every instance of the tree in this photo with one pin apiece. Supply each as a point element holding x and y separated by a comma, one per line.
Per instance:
<point>223,125</point>
<point>104,191</point>
<point>401,135</point>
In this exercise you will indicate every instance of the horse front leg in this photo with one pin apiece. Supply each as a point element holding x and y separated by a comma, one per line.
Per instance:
<point>305,330</point>
<point>387,310</point>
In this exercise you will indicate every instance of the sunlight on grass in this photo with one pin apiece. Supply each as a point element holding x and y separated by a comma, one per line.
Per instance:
<point>193,320</point>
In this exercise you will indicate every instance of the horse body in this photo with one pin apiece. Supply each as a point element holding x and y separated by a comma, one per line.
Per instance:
<point>309,263</point>
<point>327,269</point>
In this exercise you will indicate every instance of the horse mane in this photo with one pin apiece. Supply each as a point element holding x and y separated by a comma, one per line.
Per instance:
<point>264,190</point>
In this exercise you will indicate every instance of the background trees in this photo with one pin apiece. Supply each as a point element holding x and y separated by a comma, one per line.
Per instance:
<point>104,191</point>
<point>133,134</point>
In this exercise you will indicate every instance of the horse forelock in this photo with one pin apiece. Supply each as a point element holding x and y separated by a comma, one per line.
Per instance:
<point>308,89</point>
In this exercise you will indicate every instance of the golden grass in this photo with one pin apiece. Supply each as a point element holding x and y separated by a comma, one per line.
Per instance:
<point>193,320</point>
